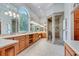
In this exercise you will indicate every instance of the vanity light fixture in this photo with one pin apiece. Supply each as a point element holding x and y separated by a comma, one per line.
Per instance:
<point>6,13</point>
<point>10,13</point>
<point>18,15</point>
<point>32,22</point>
<point>14,15</point>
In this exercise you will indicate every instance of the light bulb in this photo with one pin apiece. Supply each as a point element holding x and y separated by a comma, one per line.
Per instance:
<point>17,15</point>
<point>10,13</point>
<point>6,13</point>
<point>14,15</point>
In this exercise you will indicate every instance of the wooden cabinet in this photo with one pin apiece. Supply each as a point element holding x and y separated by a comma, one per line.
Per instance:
<point>34,37</point>
<point>40,35</point>
<point>69,51</point>
<point>31,38</point>
<point>17,48</point>
<point>17,45</point>
<point>8,50</point>
<point>21,43</point>
<point>37,36</point>
<point>0,53</point>
<point>76,24</point>
<point>27,41</point>
<point>43,35</point>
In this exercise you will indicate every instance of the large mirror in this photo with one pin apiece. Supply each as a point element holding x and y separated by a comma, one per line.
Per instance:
<point>35,27</point>
<point>14,19</point>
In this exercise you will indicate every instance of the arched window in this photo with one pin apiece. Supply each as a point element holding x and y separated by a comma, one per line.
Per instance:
<point>24,19</point>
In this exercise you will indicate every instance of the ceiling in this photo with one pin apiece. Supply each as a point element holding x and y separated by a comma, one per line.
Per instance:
<point>39,8</point>
<point>43,10</point>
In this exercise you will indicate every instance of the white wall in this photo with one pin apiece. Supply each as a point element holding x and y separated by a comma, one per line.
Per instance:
<point>58,7</point>
<point>35,18</point>
<point>55,9</point>
<point>67,16</point>
<point>53,29</point>
<point>5,22</point>
<point>61,27</point>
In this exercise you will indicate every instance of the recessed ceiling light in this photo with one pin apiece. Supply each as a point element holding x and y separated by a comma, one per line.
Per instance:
<point>40,10</point>
<point>7,6</point>
<point>38,6</point>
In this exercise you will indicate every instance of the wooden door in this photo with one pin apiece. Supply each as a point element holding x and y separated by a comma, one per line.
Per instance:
<point>76,24</point>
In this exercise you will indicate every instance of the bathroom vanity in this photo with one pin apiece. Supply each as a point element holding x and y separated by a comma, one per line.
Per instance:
<point>24,40</point>
<point>71,48</point>
<point>8,47</point>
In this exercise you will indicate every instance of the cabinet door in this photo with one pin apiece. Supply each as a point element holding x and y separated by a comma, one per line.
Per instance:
<point>17,48</point>
<point>10,51</point>
<point>27,41</point>
<point>22,42</point>
<point>76,24</point>
<point>18,44</point>
<point>0,53</point>
<point>67,53</point>
<point>22,45</point>
<point>34,37</point>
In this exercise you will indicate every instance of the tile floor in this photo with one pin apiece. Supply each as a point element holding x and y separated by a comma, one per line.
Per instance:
<point>43,48</point>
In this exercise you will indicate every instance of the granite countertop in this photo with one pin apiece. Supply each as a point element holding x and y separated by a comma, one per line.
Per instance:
<point>6,42</point>
<point>17,34</point>
<point>74,45</point>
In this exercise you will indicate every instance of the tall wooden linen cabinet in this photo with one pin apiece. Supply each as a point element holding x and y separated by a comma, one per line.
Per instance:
<point>76,24</point>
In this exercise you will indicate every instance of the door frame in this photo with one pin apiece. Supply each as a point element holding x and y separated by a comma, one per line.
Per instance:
<point>53,24</point>
<point>50,17</point>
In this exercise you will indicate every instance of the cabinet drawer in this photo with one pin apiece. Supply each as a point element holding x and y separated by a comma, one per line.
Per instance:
<point>17,48</point>
<point>22,45</point>
<point>70,50</point>
<point>67,53</point>
<point>27,41</point>
<point>10,51</point>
